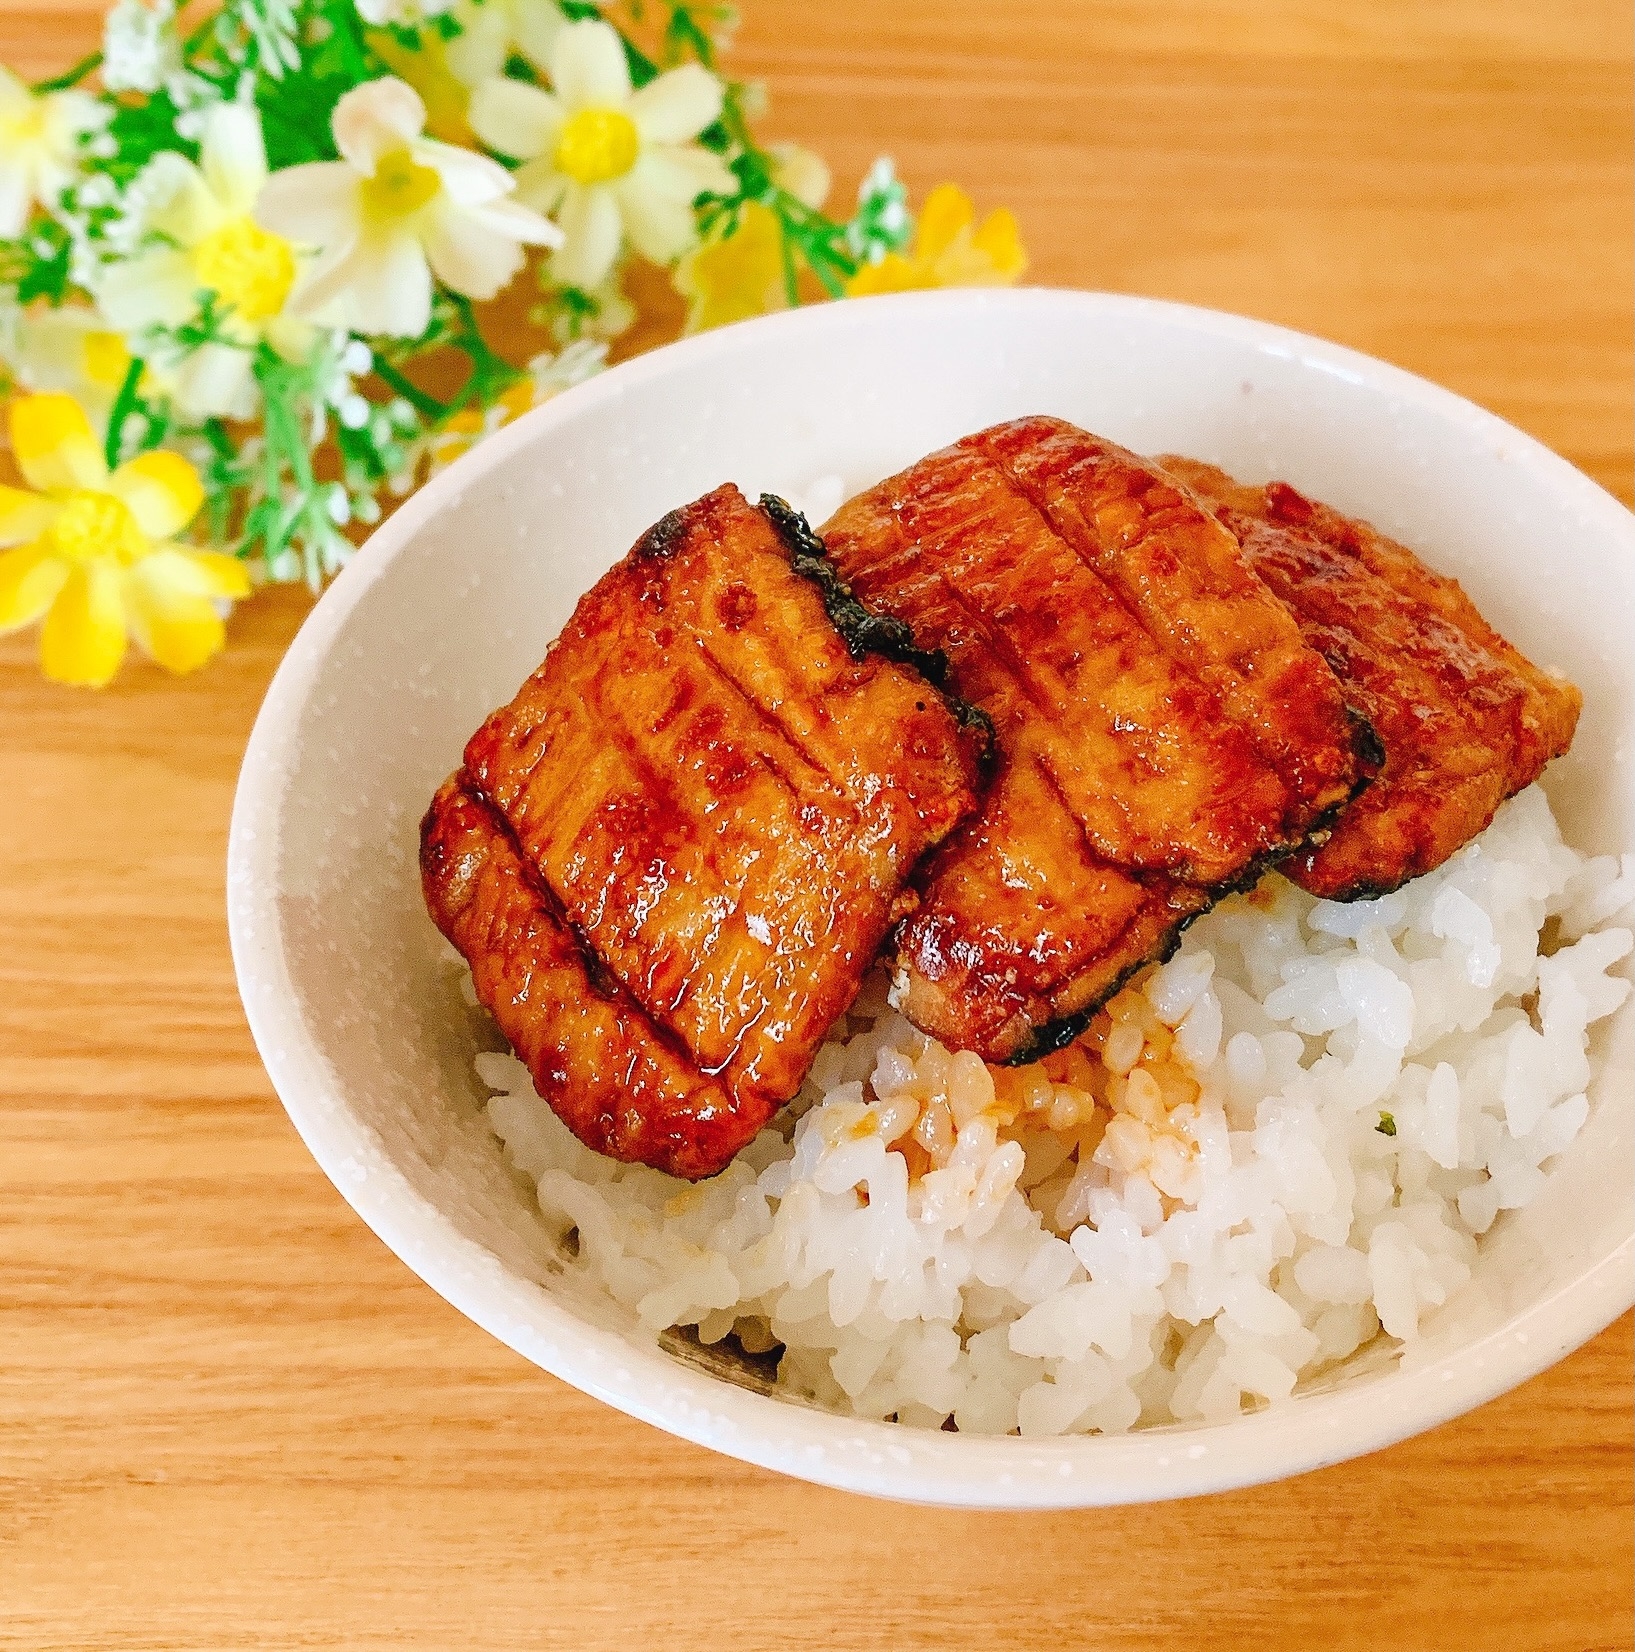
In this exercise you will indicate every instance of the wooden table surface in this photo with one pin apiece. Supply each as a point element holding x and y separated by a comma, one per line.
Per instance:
<point>229,1418</point>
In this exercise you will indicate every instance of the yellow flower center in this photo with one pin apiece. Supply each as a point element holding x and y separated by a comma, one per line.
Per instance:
<point>249,268</point>
<point>400,185</point>
<point>105,360</point>
<point>24,128</point>
<point>91,526</point>
<point>597,145</point>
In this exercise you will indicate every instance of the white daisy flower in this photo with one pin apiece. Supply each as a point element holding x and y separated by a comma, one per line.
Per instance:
<point>607,162</point>
<point>39,147</point>
<point>396,209</point>
<point>206,214</point>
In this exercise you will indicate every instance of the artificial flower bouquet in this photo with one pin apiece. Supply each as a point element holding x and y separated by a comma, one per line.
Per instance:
<point>246,274</point>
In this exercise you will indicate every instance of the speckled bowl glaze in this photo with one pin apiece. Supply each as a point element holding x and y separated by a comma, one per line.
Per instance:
<point>452,603</point>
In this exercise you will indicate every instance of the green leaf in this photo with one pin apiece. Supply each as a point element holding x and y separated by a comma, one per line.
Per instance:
<point>124,405</point>
<point>70,78</point>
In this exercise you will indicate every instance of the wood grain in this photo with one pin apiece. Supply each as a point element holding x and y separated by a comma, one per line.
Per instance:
<point>229,1419</point>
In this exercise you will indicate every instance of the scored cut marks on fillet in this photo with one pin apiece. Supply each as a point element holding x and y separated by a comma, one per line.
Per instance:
<point>717,805</point>
<point>1165,731</point>
<point>1464,718</point>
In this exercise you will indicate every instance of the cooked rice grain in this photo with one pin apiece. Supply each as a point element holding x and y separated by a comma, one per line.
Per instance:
<point>1283,1141</point>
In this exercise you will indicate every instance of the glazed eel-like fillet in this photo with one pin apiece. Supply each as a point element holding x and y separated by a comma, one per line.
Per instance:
<point>1464,718</point>
<point>672,857</point>
<point>1165,733</point>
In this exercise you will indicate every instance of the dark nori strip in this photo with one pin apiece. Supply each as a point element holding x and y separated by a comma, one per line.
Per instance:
<point>865,632</point>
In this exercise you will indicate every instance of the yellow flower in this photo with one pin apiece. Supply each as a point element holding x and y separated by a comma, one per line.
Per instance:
<point>742,274</point>
<point>950,250</point>
<point>93,554</point>
<point>735,278</point>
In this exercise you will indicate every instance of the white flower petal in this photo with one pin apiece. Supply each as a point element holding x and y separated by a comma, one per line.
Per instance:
<point>656,199</point>
<point>688,171</point>
<point>315,204</point>
<point>290,337</point>
<point>16,197</point>
<point>588,67</point>
<point>153,289</point>
<point>678,105</point>
<point>15,96</point>
<point>483,43</point>
<point>540,186</point>
<point>658,221</point>
<point>534,28</point>
<point>517,222</point>
<point>323,289</point>
<point>804,174</point>
<point>374,119</point>
<point>233,157</point>
<point>74,112</point>
<point>180,203</point>
<point>589,220</point>
<point>516,119</point>
<point>470,255</point>
<point>215,381</point>
<point>468,177</point>
<point>387,284</point>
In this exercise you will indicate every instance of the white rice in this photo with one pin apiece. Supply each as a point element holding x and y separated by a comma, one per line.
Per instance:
<point>1191,1211</point>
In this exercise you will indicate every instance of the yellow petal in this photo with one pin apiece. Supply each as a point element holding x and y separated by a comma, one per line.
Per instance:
<point>518,400</point>
<point>53,444</point>
<point>24,516</point>
<point>735,278</point>
<point>893,274</point>
<point>947,210</point>
<point>162,490</point>
<point>83,639</point>
<point>1000,241</point>
<point>173,617</point>
<point>426,68</point>
<point>30,579</point>
<point>223,575</point>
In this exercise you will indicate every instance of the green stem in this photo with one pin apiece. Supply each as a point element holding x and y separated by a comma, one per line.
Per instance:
<point>488,370</point>
<point>426,405</point>
<point>71,77</point>
<point>791,279</point>
<point>124,406</point>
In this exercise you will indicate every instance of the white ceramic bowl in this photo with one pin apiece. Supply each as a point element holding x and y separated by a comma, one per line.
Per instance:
<point>452,603</point>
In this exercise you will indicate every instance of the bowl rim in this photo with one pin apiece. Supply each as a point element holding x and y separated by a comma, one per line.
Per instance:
<point>1305,1432</point>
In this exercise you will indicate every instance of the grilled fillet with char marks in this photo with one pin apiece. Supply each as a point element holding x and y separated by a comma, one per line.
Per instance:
<point>1164,730</point>
<point>1464,718</point>
<point>672,857</point>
